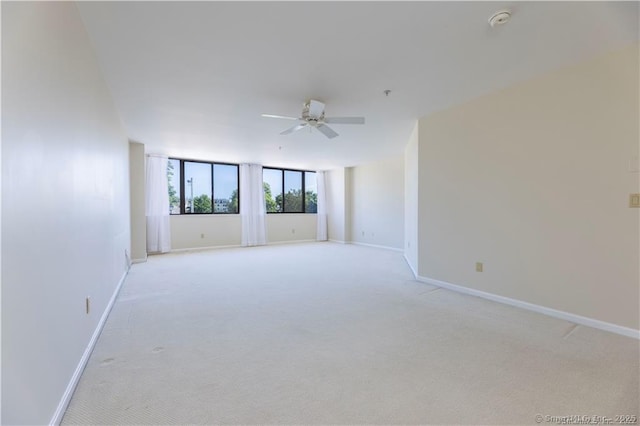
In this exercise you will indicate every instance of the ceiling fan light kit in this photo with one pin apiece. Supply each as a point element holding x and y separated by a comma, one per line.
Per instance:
<point>313,116</point>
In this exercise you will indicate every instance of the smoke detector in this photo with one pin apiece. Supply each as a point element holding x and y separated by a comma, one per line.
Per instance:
<point>500,18</point>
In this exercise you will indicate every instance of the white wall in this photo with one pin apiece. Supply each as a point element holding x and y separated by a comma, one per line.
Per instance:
<point>534,181</point>
<point>411,200</point>
<point>199,231</point>
<point>137,202</point>
<point>65,204</point>
<point>376,207</point>
<point>291,227</point>
<point>348,203</point>
<point>336,204</point>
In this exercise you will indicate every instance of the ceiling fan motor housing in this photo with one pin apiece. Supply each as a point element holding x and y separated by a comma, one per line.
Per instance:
<point>313,121</point>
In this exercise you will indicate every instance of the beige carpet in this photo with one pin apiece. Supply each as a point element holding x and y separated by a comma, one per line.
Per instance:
<point>336,334</point>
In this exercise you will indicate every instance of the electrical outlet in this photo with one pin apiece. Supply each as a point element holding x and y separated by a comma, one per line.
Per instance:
<point>363,233</point>
<point>634,201</point>
<point>87,304</point>
<point>479,266</point>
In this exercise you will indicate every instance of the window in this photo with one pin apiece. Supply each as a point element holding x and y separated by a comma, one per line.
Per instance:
<point>225,188</point>
<point>173,175</point>
<point>310,192</point>
<point>198,187</point>
<point>293,192</point>
<point>289,191</point>
<point>197,184</point>
<point>272,183</point>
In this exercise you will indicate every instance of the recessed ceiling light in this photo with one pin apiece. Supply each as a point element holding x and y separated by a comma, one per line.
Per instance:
<point>500,18</point>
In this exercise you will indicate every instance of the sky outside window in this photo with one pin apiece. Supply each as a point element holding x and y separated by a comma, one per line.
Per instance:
<point>197,183</point>
<point>310,193</point>
<point>273,178</point>
<point>225,188</point>
<point>293,191</point>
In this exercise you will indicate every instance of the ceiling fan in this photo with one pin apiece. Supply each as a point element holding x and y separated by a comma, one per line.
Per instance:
<point>313,116</point>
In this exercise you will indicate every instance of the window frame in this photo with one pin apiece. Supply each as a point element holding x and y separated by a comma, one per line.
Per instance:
<point>183,198</point>
<point>304,191</point>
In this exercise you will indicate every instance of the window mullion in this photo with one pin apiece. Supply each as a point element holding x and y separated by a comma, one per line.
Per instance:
<point>238,189</point>
<point>182,188</point>
<point>213,200</point>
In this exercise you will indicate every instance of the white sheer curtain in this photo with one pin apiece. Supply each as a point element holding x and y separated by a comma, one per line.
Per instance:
<point>157,205</point>
<point>252,208</point>
<point>322,206</point>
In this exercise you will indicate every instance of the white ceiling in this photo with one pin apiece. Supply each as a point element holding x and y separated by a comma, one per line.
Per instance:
<point>190,79</point>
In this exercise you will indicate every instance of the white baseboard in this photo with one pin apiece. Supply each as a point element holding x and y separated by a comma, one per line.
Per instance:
<point>376,246</point>
<point>415,274</point>
<point>577,319</point>
<point>291,242</point>
<point>140,260</point>
<point>337,241</point>
<point>182,250</point>
<point>68,393</point>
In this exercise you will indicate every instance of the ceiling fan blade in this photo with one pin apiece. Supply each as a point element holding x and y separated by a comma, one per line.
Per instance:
<point>344,120</point>
<point>316,108</point>
<point>327,131</point>
<point>280,116</point>
<point>293,129</point>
